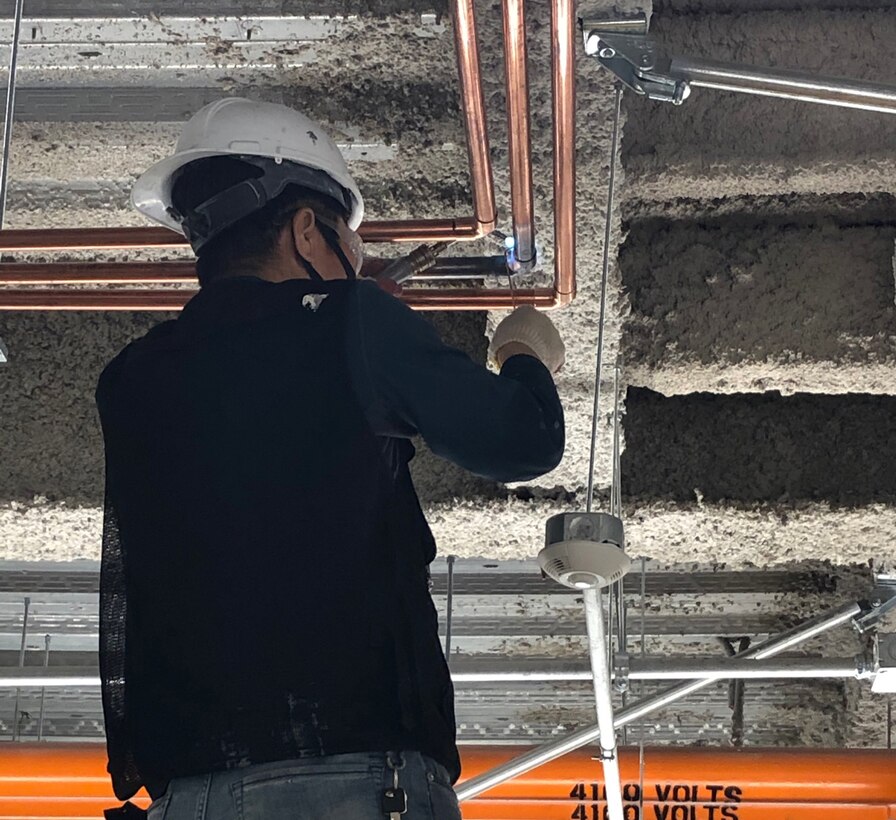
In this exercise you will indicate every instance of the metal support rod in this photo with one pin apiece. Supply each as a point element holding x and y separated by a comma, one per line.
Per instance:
<point>785,83</point>
<point>15,715</point>
<point>558,748</point>
<point>615,489</point>
<point>608,224</point>
<point>616,509</point>
<point>43,691</point>
<point>597,640</point>
<point>10,107</point>
<point>449,606</point>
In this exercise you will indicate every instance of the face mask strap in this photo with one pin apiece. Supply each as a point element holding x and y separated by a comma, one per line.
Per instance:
<point>331,236</point>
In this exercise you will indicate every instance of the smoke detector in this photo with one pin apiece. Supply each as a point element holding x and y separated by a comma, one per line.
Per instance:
<point>584,550</point>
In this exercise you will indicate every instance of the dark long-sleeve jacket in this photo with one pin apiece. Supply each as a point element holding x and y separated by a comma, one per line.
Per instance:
<point>263,589</point>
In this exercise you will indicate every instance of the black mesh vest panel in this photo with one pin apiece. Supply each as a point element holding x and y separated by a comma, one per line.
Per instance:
<point>263,590</point>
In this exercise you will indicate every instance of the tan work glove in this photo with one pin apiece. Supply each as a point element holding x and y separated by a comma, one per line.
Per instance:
<point>531,329</point>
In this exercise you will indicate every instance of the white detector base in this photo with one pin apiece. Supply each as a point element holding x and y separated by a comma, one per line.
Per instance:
<point>584,550</point>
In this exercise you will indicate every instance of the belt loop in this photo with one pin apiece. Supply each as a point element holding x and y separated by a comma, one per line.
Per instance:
<point>391,761</point>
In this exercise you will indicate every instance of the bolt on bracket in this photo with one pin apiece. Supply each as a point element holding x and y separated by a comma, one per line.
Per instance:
<point>622,671</point>
<point>634,58</point>
<point>880,601</point>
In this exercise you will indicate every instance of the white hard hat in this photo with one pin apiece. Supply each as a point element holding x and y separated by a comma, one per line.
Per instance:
<point>239,126</point>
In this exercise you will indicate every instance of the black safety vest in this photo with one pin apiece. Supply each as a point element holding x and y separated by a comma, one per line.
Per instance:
<point>264,570</point>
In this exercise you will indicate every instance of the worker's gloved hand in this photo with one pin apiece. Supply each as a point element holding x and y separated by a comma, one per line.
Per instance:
<point>528,330</point>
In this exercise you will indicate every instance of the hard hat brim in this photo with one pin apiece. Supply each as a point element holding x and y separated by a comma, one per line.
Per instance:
<point>151,194</point>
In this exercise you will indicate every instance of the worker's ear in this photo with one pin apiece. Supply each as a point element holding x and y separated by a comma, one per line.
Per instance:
<point>305,235</point>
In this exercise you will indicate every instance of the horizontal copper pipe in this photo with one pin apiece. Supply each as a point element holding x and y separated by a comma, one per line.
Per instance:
<point>97,273</point>
<point>167,273</point>
<point>563,79</point>
<point>79,239</point>
<point>155,299</point>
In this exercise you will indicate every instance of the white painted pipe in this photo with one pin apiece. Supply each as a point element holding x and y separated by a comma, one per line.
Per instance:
<point>603,698</point>
<point>688,669</point>
<point>641,669</point>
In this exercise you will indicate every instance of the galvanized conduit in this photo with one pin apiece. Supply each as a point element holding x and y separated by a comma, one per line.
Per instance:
<point>651,669</point>
<point>554,749</point>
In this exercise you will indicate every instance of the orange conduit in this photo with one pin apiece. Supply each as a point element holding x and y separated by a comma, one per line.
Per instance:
<point>55,780</point>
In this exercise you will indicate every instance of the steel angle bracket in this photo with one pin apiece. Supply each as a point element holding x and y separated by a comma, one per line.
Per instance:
<point>621,45</point>
<point>879,603</point>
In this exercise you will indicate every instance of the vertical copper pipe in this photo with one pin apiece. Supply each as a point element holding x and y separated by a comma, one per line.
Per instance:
<point>563,79</point>
<point>470,75</point>
<point>519,141</point>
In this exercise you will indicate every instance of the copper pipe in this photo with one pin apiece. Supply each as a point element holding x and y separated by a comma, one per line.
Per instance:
<point>425,230</point>
<point>157,299</point>
<point>563,79</point>
<point>563,83</point>
<point>466,44</point>
<point>97,273</point>
<point>519,142</point>
<point>77,239</point>
<point>167,273</point>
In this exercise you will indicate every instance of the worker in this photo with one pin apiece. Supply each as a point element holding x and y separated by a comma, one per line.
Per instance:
<point>268,641</point>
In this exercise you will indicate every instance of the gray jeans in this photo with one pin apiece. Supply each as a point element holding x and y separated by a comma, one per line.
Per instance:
<point>339,787</point>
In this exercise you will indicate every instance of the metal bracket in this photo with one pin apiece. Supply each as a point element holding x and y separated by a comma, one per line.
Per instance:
<point>881,601</point>
<point>622,46</point>
<point>622,671</point>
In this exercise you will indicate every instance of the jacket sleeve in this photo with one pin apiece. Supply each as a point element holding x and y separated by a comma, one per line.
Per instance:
<point>506,427</point>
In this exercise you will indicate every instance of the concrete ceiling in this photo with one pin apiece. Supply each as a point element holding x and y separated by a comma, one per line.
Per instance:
<point>752,269</point>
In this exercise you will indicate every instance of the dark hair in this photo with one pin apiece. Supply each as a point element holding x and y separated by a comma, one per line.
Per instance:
<point>249,244</point>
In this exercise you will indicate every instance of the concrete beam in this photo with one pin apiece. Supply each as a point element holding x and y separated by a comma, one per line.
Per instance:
<point>760,448</point>
<point>799,303</point>
<point>724,144</point>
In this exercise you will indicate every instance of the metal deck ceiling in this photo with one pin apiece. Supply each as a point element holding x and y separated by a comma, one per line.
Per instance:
<point>503,613</point>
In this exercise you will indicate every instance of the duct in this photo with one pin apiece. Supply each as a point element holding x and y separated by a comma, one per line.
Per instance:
<point>574,740</point>
<point>482,222</point>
